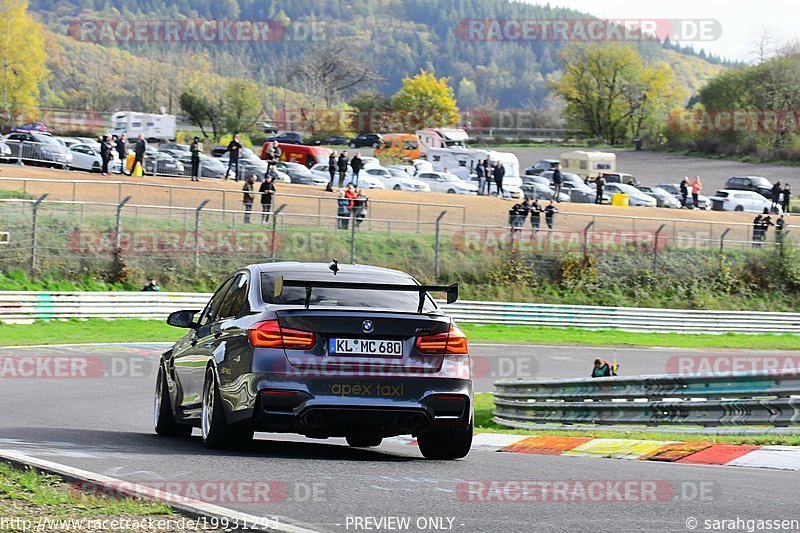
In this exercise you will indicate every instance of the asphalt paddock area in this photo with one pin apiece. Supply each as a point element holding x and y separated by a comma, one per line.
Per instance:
<point>101,421</point>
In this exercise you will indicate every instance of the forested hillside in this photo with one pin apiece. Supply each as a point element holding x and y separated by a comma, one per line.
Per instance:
<point>397,37</point>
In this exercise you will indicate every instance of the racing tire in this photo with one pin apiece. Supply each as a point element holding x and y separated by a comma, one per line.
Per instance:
<point>451,191</point>
<point>217,433</point>
<point>163,419</point>
<point>445,444</point>
<point>396,188</point>
<point>363,441</point>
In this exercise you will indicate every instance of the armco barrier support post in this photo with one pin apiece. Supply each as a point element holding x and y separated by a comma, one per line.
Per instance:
<point>586,240</point>
<point>353,237</point>
<point>197,235</point>
<point>273,248</point>
<point>436,250</point>
<point>118,228</point>
<point>655,247</point>
<point>722,240</point>
<point>34,213</point>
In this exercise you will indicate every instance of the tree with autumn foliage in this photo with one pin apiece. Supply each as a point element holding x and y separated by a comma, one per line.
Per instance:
<point>22,58</point>
<point>429,99</point>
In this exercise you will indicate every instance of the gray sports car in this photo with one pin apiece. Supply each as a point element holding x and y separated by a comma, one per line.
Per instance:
<point>324,351</point>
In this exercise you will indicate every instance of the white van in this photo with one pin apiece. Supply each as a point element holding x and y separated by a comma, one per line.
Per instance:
<point>430,138</point>
<point>154,127</point>
<point>588,164</point>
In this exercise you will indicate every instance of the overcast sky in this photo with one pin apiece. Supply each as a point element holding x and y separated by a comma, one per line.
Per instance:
<point>741,20</point>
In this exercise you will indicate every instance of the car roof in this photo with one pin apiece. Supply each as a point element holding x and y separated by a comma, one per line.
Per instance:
<point>321,270</point>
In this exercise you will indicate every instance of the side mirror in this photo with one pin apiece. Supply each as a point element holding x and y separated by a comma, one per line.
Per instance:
<point>182,319</point>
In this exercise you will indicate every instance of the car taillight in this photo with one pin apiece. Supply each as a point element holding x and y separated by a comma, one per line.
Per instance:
<point>270,334</point>
<point>452,343</point>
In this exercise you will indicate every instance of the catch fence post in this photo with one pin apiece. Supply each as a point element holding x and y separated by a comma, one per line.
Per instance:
<point>272,246</point>
<point>438,241</point>
<point>34,220</point>
<point>197,235</point>
<point>655,247</point>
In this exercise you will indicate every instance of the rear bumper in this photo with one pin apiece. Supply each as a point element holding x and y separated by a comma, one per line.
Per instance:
<point>342,406</point>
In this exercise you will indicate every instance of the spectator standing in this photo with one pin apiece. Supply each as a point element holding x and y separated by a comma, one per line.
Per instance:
<point>267,191</point>
<point>787,198</point>
<point>779,225</point>
<point>697,188</point>
<point>487,172</point>
<point>600,183</point>
<point>549,213</point>
<point>122,151</point>
<point>498,174</point>
<point>360,205</point>
<point>685,192</point>
<point>777,190</point>
<point>343,212</point>
<point>479,171</point>
<point>513,216</point>
<point>331,170</point>
<point>248,197</point>
<point>356,164</point>
<point>766,222</point>
<point>341,165</point>
<point>105,154</point>
<point>234,150</point>
<point>196,148</point>
<point>536,212</point>
<point>557,179</point>
<point>757,230</point>
<point>139,150</point>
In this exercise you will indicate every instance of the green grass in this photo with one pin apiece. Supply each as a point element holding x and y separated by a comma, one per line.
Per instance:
<point>133,330</point>
<point>484,404</point>
<point>29,494</point>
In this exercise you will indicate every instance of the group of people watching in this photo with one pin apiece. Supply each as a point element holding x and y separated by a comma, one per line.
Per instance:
<point>519,212</point>
<point>266,190</point>
<point>338,164</point>
<point>352,204</point>
<point>120,146</point>
<point>761,225</point>
<point>487,173</point>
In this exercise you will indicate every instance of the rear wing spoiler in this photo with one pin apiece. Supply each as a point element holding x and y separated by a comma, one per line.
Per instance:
<point>450,290</point>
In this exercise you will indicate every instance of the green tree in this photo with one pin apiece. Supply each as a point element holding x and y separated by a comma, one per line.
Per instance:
<point>23,55</point>
<point>430,98</point>
<point>468,94</point>
<point>242,106</point>
<point>610,93</point>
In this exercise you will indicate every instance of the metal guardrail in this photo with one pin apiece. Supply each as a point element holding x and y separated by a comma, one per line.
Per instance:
<point>26,306</point>
<point>736,399</point>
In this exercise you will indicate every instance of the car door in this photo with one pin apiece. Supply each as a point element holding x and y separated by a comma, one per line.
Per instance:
<point>435,181</point>
<point>189,362</point>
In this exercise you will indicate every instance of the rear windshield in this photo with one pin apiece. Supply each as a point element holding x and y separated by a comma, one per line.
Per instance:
<point>396,300</point>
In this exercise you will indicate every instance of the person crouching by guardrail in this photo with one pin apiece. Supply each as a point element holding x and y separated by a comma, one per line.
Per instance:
<point>248,197</point>
<point>152,286</point>
<point>604,369</point>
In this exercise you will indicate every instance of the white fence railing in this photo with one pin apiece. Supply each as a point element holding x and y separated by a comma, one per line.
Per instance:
<point>28,306</point>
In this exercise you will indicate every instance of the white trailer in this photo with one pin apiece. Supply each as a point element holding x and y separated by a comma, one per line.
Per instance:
<point>154,127</point>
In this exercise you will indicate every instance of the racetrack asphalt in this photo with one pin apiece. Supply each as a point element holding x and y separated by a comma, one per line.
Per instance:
<point>103,423</point>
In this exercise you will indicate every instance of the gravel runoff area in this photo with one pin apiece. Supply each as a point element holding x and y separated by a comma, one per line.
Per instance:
<point>650,167</point>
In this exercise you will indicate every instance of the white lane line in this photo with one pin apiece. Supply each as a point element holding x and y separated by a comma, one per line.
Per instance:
<point>88,344</point>
<point>189,505</point>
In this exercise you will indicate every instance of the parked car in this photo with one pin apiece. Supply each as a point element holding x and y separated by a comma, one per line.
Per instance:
<point>249,164</point>
<point>397,180</point>
<point>372,140</point>
<point>620,177</point>
<point>446,182</point>
<point>210,167</point>
<point>5,153</point>
<point>675,190</point>
<point>738,200</point>
<point>566,178</point>
<point>301,175</point>
<point>580,193</point>
<point>177,154</point>
<point>269,128</point>
<point>68,142</point>
<point>336,140</point>
<point>365,180</point>
<point>87,157</point>
<point>287,137</point>
<point>636,198</point>
<point>38,149</point>
<point>750,183</point>
<point>162,164</point>
<point>411,170</point>
<point>30,126</point>
<point>543,165</point>
<point>663,198</point>
<point>537,191</point>
<point>180,147</point>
